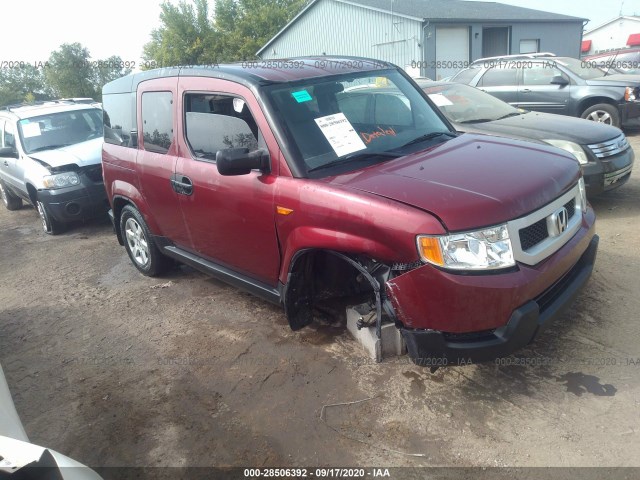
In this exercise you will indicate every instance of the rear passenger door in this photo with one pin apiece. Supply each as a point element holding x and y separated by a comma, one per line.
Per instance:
<point>536,92</point>
<point>231,219</point>
<point>502,83</point>
<point>12,173</point>
<point>157,156</point>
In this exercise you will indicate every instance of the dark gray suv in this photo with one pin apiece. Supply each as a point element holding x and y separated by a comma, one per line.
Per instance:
<point>563,85</point>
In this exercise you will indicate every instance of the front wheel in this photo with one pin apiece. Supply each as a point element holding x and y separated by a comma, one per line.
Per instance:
<point>10,200</point>
<point>49,224</point>
<point>142,251</point>
<point>603,113</point>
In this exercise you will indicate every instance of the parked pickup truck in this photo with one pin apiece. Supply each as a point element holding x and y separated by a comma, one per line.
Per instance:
<point>270,179</point>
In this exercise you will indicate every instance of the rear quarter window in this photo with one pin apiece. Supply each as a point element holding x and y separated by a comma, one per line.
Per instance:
<point>118,113</point>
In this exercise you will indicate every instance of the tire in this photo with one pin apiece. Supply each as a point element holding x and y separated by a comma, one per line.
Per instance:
<point>603,113</point>
<point>49,224</point>
<point>10,200</point>
<point>143,252</point>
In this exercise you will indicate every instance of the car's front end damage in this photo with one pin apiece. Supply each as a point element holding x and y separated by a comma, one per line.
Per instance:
<point>466,318</point>
<point>68,181</point>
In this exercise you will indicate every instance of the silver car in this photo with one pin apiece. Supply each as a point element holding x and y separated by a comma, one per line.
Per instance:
<point>50,156</point>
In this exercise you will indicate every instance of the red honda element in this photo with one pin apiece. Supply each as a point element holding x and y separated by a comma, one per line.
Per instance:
<point>291,183</point>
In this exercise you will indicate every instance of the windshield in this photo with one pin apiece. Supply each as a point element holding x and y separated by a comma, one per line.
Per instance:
<point>354,118</point>
<point>57,130</point>
<point>581,68</point>
<point>465,104</point>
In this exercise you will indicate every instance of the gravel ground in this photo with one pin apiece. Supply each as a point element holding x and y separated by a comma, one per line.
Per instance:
<point>116,369</point>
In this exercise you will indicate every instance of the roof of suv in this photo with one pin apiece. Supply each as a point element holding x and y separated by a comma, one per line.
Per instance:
<point>44,108</point>
<point>256,72</point>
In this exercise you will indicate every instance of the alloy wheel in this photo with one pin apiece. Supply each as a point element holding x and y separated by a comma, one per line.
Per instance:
<point>137,241</point>
<point>600,116</point>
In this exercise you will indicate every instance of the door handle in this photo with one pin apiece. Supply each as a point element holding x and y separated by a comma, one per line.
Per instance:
<point>6,163</point>
<point>181,184</point>
<point>526,90</point>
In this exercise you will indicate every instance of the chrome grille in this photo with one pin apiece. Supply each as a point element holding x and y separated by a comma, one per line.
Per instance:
<point>532,237</point>
<point>610,147</point>
<point>537,232</point>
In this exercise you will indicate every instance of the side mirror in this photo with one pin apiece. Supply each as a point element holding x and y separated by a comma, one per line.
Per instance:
<point>9,152</point>
<point>559,80</point>
<point>240,161</point>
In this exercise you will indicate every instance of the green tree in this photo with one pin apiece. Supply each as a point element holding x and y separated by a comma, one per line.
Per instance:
<point>24,84</point>
<point>69,72</point>
<point>246,25</point>
<point>185,37</point>
<point>188,35</point>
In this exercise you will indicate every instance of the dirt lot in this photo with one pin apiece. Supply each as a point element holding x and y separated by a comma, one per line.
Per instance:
<point>116,369</point>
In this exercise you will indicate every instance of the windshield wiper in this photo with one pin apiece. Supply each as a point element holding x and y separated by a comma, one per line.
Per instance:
<point>50,147</point>
<point>354,157</point>
<point>512,114</point>
<point>429,136</point>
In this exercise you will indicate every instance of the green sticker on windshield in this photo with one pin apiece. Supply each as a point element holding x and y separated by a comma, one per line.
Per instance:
<point>301,96</point>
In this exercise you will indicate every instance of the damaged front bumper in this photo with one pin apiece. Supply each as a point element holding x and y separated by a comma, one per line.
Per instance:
<point>471,318</point>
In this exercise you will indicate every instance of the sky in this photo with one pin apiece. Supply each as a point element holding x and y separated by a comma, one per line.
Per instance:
<point>33,28</point>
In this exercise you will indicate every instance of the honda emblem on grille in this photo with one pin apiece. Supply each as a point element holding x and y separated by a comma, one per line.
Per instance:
<point>557,222</point>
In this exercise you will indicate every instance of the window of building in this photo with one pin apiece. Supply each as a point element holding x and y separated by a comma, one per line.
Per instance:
<point>495,77</point>
<point>530,45</point>
<point>157,121</point>
<point>216,122</point>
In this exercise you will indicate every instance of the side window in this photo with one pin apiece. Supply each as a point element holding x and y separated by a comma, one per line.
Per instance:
<point>496,77</point>
<point>8,135</point>
<point>216,122</point>
<point>118,113</point>
<point>539,75</point>
<point>157,121</point>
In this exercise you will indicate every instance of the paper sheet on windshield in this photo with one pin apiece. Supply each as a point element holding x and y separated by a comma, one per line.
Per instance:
<point>340,133</point>
<point>31,129</point>
<point>440,100</point>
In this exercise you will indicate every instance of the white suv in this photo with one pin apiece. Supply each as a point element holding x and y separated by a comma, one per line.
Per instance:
<point>50,156</point>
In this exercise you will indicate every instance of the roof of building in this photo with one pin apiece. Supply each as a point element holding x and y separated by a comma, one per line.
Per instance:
<point>462,10</point>
<point>634,18</point>
<point>446,11</point>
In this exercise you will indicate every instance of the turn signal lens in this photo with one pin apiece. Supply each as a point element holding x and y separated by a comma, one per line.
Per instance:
<point>430,250</point>
<point>629,94</point>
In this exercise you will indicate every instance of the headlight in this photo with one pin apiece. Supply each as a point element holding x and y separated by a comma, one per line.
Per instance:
<point>573,148</point>
<point>583,194</point>
<point>61,180</point>
<point>486,249</point>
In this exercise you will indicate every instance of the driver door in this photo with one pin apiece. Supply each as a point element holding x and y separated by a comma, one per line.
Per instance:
<point>231,219</point>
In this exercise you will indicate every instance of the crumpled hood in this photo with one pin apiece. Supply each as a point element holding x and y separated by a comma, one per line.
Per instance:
<point>471,181</point>
<point>81,154</point>
<point>539,126</point>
